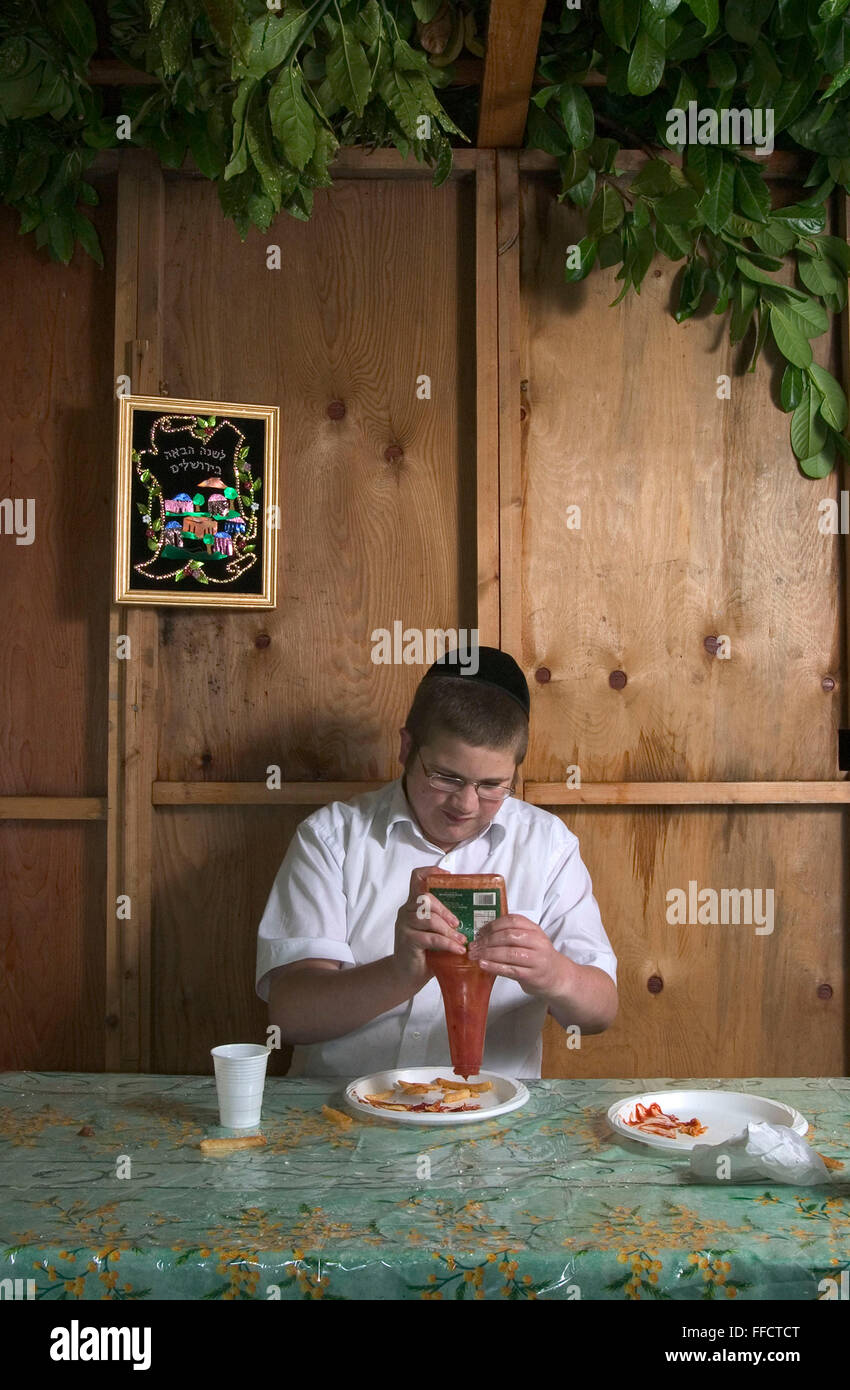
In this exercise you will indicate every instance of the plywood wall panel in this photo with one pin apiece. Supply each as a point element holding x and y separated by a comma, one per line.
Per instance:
<point>215,869</point>
<point>377,289</point>
<point>733,1002</point>
<point>695,522</point>
<point>56,412</point>
<point>51,946</point>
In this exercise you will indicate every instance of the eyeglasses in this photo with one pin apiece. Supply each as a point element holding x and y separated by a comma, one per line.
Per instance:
<point>442,782</point>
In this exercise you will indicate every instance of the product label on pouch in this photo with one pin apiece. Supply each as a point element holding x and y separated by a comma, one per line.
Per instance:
<point>473,907</point>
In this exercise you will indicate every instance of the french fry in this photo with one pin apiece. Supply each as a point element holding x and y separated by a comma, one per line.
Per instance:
<point>475,1087</point>
<point>417,1088</point>
<point>337,1117</point>
<point>226,1146</point>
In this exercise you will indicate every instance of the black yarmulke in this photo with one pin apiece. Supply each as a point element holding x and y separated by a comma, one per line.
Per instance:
<point>495,669</point>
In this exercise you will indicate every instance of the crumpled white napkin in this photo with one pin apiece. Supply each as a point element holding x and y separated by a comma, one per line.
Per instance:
<point>775,1152</point>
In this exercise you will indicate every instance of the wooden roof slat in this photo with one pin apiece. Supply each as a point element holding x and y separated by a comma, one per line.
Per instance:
<point>513,37</point>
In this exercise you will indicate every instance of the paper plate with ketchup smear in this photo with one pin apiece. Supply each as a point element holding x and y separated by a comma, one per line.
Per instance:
<point>725,1114</point>
<point>505,1094</point>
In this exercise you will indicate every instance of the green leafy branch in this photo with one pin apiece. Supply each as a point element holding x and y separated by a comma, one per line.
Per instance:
<point>263,99</point>
<point>715,212</point>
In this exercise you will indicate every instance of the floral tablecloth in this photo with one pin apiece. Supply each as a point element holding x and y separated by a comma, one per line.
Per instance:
<point>543,1203</point>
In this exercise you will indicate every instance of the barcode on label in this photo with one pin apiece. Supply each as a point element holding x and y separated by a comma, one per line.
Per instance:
<point>484,899</point>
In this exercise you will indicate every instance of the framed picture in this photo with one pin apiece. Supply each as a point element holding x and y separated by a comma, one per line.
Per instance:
<point>197,515</point>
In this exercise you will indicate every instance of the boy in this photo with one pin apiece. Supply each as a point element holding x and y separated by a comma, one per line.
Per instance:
<point>346,971</point>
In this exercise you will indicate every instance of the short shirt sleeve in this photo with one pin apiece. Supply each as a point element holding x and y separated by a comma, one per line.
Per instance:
<point>571,917</point>
<point>306,913</point>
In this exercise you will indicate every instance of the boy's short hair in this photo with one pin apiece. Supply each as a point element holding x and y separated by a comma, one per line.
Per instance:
<point>478,714</point>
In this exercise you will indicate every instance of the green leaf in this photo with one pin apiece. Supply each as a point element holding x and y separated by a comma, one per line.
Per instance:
<point>606,212</point>
<point>239,158</point>
<point>60,237</point>
<point>543,133</point>
<point>654,180</point>
<point>809,317</point>
<point>76,21</point>
<point>791,342</point>
<point>774,239</point>
<point>586,256</point>
<point>716,203</point>
<point>620,19</point>
<point>744,18</point>
<point>368,25</point>
<point>722,68</point>
<point>577,115</point>
<point>262,153</point>
<point>707,12</point>
<point>272,38</point>
<point>220,14</point>
<point>646,65</point>
<point>806,218</point>
<point>752,194</point>
<point>838,81</point>
<point>821,276</point>
<point>792,388</point>
<point>293,122</point>
<point>837,249</point>
<point>88,238</point>
<point>833,406</point>
<point>690,295</point>
<point>820,465</point>
<point>761,335</point>
<point>808,430</point>
<point>404,94</point>
<point>678,207</point>
<point>673,241</point>
<point>349,73</point>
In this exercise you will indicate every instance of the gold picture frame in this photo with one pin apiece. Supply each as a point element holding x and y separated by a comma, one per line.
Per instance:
<point>196,516</point>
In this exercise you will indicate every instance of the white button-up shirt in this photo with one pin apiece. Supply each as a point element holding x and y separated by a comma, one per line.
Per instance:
<point>338,891</point>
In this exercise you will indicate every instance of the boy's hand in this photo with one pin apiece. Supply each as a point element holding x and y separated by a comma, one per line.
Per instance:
<point>423,922</point>
<point>519,949</point>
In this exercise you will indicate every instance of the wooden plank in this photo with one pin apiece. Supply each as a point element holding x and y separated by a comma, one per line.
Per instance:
<point>57,364</point>
<point>257,793</point>
<point>695,524</point>
<point>215,870</point>
<point>513,37</point>
<point>133,681</point>
<point>732,1002</point>
<point>52,808</point>
<point>782,164</point>
<point>355,162</point>
<point>487,400</point>
<point>510,407</point>
<point>689,794</point>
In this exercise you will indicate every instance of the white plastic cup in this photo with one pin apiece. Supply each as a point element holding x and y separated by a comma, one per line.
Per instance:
<point>240,1076</point>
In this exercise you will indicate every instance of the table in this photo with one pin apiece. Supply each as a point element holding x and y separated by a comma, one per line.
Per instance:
<point>543,1203</point>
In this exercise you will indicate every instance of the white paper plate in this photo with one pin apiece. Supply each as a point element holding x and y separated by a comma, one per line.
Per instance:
<point>506,1095</point>
<point>725,1113</point>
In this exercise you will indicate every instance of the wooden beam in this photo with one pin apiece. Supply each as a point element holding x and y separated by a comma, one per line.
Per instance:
<point>513,37</point>
<point>782,164</point>
<point>689,794</point>
<point>52,808</point>
<point>132,738</point>
<point>257,793</point>
<point>510,406</point>
<point>487,401</point>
